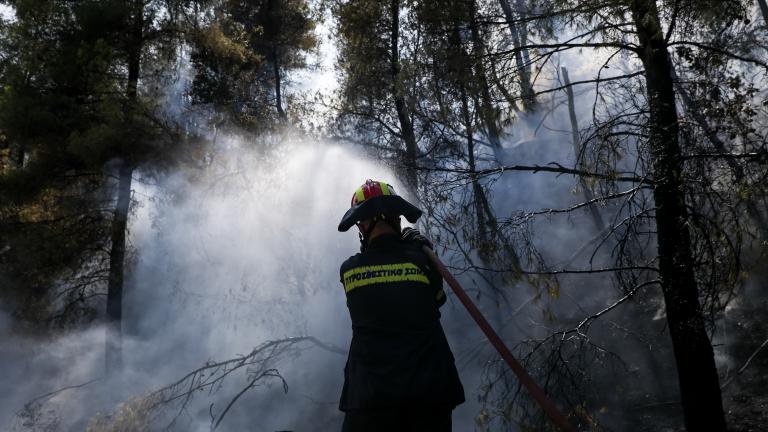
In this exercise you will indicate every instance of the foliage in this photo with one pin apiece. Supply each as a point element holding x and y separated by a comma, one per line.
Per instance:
<point>60,111</point>
<point>68,119</point>
<point>242,54</point>
<point>461,68</point>
<point>130,416</point>
<point>672,152</point>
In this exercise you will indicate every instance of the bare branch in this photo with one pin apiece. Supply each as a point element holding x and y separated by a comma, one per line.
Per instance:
<point>592,81</point>
<point>723,52</point>
<point>746,364</point>
<point>761,157</point>
<point>563,271</point>
<point>613,305</point>
<point>42,398</point>
<point>552,168</point>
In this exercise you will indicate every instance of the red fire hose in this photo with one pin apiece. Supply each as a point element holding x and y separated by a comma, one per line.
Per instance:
<point>544,402</point>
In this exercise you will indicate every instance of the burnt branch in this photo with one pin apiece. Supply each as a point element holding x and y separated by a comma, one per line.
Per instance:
<point>553,167</point>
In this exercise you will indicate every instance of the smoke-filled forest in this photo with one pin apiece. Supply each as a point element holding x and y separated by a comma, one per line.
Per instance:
<point>594,173</point>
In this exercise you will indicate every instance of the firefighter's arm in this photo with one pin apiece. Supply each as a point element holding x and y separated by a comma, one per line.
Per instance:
<point>436,282</point>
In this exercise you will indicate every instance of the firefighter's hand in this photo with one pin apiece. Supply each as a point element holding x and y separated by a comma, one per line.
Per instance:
<point>414,236</point>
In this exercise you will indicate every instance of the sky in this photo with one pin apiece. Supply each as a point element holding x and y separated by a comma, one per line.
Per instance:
<point>6,11</point>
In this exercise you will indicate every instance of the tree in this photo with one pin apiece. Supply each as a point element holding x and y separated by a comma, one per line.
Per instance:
<point>455,62</point>
<point>83,114</point>
<point>636,130</point>
<point>75,108</point>
<point>522,60</point>
<point>376,83</point>
<point>244,53</point>
<point>691,221</point>
<point>57,111</point>
<point>597,218</point>
<point>699,383</point>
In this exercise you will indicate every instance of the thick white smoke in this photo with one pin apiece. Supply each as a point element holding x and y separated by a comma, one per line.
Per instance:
<point>243,252</point>
<point>249,252</point>
<point>246,251</point>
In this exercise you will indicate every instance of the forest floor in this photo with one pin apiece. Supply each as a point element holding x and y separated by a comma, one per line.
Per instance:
<point>745,400</point>
<point>746,412</point>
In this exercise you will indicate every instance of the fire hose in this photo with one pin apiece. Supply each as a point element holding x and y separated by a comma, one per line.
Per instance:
<point>536,392</point>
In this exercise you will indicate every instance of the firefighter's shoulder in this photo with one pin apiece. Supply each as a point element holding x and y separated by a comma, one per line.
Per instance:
<point>349,263</point>
<point>412,252</point>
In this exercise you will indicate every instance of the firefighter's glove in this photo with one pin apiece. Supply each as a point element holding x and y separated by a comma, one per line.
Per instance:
<point>414,236</point>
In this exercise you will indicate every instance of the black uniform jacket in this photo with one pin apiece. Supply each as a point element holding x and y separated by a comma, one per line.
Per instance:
<point>399,355</point>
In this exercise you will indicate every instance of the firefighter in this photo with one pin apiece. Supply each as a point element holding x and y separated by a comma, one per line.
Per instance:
<point>400,374</point>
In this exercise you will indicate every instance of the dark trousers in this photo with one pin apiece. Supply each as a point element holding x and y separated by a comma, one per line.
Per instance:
<point>404,419</point>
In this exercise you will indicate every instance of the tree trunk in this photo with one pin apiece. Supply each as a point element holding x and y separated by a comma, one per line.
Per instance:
<point>278,93</point>
<point>511,100</point>
<point>114,357</point>
<point>13,154</point>
<point>19,156</point>
<point>523,66</point>
<point>597,218</point>
<point>406,127</point>
<point>697,372</point>
<point>522,12</point>
<point>481,76</point>
<point>477,190</point>
<point>114,352</point>
<point>485,220</point>
<point>490,237</point>
<point>764,10</point>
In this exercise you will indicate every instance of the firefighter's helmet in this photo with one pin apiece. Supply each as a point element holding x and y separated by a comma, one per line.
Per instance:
<point>377,200</point>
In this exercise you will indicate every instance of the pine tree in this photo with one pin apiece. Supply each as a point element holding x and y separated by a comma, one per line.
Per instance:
<point>245,53</point>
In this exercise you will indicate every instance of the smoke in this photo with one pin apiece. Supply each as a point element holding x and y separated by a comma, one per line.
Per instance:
<point>246,251</point>
<point>243,252</point>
